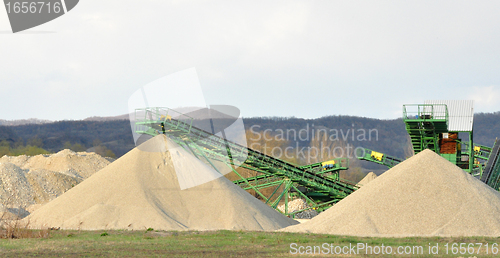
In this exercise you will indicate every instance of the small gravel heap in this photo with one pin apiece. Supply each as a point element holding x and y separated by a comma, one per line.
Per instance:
<point>76,164</point>
<point>27,180</point>
<point>297,205</point>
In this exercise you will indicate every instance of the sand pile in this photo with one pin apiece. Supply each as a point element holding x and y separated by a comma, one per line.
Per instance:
<point>423,196</point>
<point>141,190</point>
<point>76,164</point>
<point>297,205</point>
<point>367,179</point>
<point>26,180</point>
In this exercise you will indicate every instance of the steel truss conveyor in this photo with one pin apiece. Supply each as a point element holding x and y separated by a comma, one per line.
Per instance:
<point>491,174</point>
<point>319,183</point>
<point>377,157</point>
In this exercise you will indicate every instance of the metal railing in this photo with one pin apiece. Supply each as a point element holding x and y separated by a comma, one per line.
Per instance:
<point>145,116</point>
<point>425,112</point>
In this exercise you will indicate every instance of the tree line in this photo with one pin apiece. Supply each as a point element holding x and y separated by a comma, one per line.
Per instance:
<point>116,136</point>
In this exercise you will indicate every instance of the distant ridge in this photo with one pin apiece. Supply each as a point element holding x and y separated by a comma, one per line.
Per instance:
<point>116,134</point>
<point>4,122</point>
<point>107,118</point>
<point>24,121</point>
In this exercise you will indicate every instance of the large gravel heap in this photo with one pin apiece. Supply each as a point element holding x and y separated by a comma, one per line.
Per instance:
<point>423,196</point>
<point>27,180</point>
<point>141,190</point>
<point>367,179</point>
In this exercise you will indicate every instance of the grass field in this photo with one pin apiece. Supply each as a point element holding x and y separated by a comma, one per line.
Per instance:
<point>223,244</point>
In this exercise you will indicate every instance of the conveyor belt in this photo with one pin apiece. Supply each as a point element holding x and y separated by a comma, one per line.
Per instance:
<point>209,147</point>
<point>491,173</point>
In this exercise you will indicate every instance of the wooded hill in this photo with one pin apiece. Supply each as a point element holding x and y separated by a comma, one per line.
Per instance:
<point>386,136</point>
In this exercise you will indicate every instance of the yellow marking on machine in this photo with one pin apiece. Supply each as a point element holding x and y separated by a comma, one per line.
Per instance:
<point>167,117</point>
<point>377,155</point>
<point>328,164</point>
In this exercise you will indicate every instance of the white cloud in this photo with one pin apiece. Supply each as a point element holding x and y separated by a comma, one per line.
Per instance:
<point>299,58</point>
<point>486,98</point>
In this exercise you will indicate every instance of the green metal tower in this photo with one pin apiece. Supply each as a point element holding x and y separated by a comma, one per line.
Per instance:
<point>438,125</point>
<point>425,124</point>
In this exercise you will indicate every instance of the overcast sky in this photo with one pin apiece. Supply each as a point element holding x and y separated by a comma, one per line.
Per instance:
<point>268,58</point>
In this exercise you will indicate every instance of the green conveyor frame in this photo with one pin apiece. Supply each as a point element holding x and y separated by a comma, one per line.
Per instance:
<point>319,185</point>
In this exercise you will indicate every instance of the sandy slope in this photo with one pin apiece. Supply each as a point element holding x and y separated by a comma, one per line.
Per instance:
<point>367,179</point>
<point>423,196</point>
<point>141,190</point>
